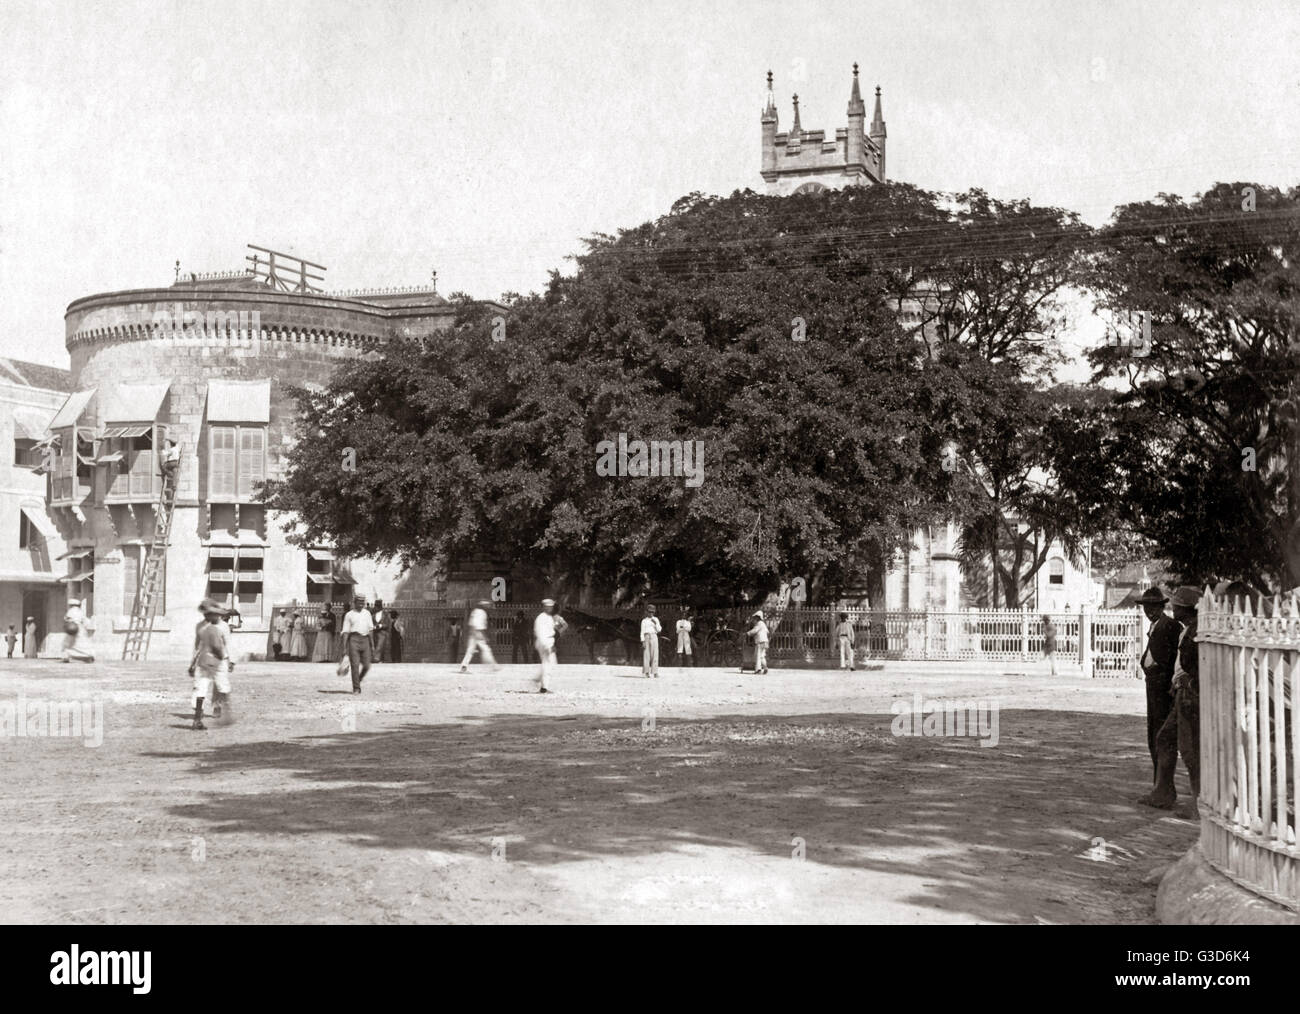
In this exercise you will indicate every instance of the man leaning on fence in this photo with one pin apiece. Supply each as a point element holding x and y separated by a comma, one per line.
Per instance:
<point>1180,733</point>
<point>1158,664</point>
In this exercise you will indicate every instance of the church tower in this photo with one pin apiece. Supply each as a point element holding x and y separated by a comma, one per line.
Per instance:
<point>803,161</point>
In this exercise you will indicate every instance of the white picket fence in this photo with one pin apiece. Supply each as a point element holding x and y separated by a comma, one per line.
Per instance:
<point>1105,643</point>
<point>1250,742</point>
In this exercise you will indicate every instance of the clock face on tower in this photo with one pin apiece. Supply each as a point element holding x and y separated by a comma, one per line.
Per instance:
<point>811,188</point>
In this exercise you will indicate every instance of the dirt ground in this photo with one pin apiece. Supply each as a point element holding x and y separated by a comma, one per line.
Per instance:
<point>439,797</point>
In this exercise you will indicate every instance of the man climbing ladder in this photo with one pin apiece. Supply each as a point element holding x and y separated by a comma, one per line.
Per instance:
<point>136,646</point>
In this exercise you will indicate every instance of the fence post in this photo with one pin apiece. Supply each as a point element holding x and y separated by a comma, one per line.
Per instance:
<point>1085,641</point>
<point>925,650</point>
<point>1024,633</point>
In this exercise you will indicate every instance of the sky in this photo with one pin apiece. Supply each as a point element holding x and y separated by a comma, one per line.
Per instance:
<point>387,140</point>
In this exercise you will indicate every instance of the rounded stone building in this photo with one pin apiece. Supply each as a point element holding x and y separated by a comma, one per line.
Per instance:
<point>208,363</point>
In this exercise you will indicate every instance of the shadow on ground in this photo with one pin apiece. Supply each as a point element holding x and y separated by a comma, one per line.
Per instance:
<point>999,833</point>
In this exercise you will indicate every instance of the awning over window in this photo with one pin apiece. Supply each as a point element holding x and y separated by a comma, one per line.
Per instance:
<point>70,414</point>
<point>222,576</point>
<point>320,554</point>
<point>30,423</point>
<point>134,430</point>
<point>87,575</point>
<point>109,459</point>
<point>221,553</point>
<point>134,403</point>
<point>341,578</point>
<point>251,552</point>
<point>77,552</point>
<point>36,515</point>
<point>320,578</point>
<point>246,401</point>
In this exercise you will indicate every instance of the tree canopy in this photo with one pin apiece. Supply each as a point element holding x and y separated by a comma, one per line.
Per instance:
<point>1195,447</point>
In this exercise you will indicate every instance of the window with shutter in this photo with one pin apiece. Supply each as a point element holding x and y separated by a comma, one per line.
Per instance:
<point>130,579</point>
<point>221,462</point>
<point>252,459</point>
<point>142,467</point>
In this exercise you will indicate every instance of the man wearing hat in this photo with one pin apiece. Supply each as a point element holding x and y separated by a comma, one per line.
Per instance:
<point>1158,664</point>
<point>279,633</point>
<point>478,637</point>
<point>210,667</point>
<point>650,631</point>
<point>546,628</point>
<point>1180,733</point>
<point>74,626</point>
<point>760,635</point>
<point>358,626</point>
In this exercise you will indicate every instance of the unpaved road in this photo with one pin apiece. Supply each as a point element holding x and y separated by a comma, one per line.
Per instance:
<point>438,797</point>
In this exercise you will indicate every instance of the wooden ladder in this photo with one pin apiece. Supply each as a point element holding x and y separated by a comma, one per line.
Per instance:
<point>136,646</point>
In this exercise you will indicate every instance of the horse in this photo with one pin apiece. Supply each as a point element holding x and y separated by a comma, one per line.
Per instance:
<point>603,630</point>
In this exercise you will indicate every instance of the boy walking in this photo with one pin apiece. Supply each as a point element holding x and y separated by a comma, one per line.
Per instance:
<point>684,640</point>
<point>211,666</point>
<point>848,640</point>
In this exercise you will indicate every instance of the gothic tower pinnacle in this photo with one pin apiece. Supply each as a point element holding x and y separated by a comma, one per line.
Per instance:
<point>878,134</point>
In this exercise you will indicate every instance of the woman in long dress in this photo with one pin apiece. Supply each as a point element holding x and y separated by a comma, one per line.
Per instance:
<point>29,638</point>
<point>298,640</point>
<point>324,648</point>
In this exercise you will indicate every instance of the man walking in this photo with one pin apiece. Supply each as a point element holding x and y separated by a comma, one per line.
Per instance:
<point>1158,664</point>
<point>650,630</point>
<point>847,638</point>
<point>546,628</point>
<point>760,635</point>
<point>478,638</point>
<point>358,626</point>
<point>1180,733</point>
<point>75,634</point>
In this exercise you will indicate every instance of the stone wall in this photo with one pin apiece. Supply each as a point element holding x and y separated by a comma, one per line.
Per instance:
<point>188,335</point>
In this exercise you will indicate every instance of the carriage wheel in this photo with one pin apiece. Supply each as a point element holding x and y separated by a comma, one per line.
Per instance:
<point>724,648</point>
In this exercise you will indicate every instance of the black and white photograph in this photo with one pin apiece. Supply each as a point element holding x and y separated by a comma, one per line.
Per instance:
<point>784,464</point>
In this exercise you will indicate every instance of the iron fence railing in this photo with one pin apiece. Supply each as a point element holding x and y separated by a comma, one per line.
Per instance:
<point>1104,643</point>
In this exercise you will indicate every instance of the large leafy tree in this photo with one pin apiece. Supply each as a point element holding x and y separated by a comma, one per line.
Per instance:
<point>788,367</point>
<point>1196,447</point>
<point>766,329</point>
